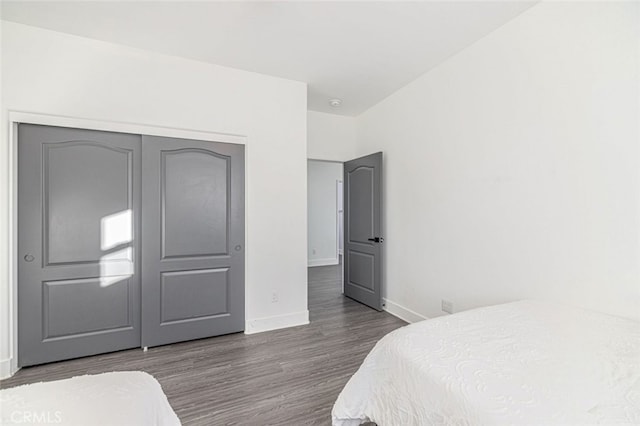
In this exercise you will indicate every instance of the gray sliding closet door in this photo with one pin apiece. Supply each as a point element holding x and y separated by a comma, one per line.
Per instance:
<point>78,242</point>
<point>193,239</point>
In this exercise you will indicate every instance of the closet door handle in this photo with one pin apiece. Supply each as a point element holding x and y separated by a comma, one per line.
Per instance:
<point>376,239</point>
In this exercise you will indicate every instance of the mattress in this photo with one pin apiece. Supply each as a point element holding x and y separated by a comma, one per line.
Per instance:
<point>118,399</point>
<point>519,363</point>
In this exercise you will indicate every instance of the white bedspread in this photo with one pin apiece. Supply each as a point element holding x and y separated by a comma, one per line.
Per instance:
<point>118,399</point>
<point>519,363</point>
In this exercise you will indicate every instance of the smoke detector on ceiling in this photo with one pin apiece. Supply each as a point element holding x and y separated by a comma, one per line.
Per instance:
<point>335,103</point>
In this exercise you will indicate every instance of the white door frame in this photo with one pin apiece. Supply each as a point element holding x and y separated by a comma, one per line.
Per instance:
<point>340,219</point>
<point>9,368</point>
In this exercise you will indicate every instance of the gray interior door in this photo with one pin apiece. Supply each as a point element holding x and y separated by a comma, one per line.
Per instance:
<point>78,242</point>
<point>193,239</point>
<point>362,230</point>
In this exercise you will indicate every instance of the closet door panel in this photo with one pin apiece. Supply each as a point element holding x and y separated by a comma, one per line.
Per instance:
<point>195,192</point>
<point>78,242</point>
<point>193,234</point>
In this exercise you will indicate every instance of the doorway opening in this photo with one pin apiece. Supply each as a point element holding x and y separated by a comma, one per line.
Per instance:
<point>324,210</point>
<point>357,274</point>
<point>325,228</point>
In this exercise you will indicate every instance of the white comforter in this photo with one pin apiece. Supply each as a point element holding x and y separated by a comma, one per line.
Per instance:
<point>114,399</point>
<point>520,363</point>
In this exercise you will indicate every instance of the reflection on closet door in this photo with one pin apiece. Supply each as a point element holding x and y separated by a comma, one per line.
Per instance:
<point>78,242</point>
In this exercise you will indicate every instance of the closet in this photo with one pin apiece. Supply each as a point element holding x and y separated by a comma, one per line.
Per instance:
<point>126,241</point>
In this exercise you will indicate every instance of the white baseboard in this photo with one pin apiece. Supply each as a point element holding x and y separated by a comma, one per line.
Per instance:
<point>323,262</point>
<point>401,312</point>
<point>259,325</point>
<point>5,369</point>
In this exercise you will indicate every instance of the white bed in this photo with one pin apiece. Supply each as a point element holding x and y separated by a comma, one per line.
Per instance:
<point>519,363</point>
<point>118,399</point>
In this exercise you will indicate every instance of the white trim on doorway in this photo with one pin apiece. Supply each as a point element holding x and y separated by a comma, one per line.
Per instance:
<point>340,217</point>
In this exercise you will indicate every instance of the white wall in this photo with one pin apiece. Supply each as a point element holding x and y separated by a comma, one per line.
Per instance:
<point>51,73</point>
<point>512,170</point>
<point>5,339</point>
<point>322,209</point>
<point>330,136</point>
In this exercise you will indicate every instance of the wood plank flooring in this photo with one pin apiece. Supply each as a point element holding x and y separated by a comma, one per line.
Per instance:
<point>283,377</point>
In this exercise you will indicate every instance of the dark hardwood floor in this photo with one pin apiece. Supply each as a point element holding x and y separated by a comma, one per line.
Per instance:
<point>284,377</point>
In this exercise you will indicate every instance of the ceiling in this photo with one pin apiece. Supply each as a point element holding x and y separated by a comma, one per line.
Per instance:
<point>360,52</point>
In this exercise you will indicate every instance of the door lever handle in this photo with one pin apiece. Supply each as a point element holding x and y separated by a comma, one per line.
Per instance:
<point>376,239</point>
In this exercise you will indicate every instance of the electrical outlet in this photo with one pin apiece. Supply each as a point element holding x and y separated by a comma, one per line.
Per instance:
<point>447,306</point>
<point>274,297</point>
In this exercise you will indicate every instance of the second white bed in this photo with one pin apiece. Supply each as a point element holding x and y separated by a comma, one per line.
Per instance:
<point>519,363</point>
<point>111,399</point>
